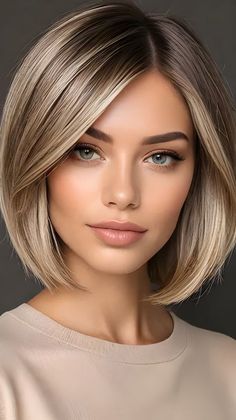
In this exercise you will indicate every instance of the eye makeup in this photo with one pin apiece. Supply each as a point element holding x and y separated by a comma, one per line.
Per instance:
<point>81,147</point>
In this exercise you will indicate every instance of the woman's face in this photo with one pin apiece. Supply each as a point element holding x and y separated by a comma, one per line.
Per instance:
<point>124,179</point>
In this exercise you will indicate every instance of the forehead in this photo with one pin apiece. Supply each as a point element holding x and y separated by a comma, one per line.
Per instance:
<point>148,104</point>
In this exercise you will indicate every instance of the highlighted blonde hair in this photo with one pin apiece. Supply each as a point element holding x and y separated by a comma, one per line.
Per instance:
<point>63,84</point>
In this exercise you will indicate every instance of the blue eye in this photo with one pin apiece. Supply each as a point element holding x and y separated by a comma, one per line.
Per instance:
<point>87,151</point>
<point>82,147</point>
<point>173,157</point>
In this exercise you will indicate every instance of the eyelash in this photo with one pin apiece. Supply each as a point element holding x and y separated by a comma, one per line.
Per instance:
<point>174,155</point>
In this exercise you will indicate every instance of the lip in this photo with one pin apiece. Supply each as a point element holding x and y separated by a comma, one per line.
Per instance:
<point>117,236</point>
<point>117,225</point>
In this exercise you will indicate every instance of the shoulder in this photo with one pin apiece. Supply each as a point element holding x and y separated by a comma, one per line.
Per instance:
<point>18,339</point>
<point>10,338</point>
<point>9,333</point>
<point>214,350</point>
<point>210,340</point>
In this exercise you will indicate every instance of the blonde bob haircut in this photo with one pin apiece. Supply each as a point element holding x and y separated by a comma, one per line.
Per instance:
<point>63,84</point>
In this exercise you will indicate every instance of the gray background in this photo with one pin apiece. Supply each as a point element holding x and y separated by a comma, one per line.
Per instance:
<point>21,24</point>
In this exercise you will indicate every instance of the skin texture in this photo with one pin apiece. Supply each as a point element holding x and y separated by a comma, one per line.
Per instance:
<point>123,180</point>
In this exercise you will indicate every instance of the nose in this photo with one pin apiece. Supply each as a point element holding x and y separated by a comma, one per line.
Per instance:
<point>122,187</point>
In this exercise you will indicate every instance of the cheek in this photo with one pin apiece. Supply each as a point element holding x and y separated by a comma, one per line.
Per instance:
<point>171,192</point>
<point>68,194</point>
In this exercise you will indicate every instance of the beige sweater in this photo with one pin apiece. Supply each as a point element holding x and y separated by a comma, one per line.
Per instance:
<point>50,372</point>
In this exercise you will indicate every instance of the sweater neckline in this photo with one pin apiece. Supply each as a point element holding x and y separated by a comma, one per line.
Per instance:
<point>160,352</point>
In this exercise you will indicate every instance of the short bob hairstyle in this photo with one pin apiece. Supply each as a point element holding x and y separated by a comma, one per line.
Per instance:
<point>63,84</point>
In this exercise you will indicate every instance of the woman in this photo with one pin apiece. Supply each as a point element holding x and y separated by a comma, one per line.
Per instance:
<point>120,117</point>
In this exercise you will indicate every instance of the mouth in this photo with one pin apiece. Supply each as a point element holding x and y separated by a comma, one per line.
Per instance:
<point>117,237</point>
<point>118,225</point>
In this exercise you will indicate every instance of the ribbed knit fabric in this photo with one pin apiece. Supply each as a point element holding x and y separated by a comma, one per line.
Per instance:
<point>50,372</point>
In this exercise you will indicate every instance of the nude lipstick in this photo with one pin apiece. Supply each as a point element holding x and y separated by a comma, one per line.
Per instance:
<point>118,233</point>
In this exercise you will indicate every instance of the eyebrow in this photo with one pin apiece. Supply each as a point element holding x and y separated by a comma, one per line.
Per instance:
<point>157,138</point>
